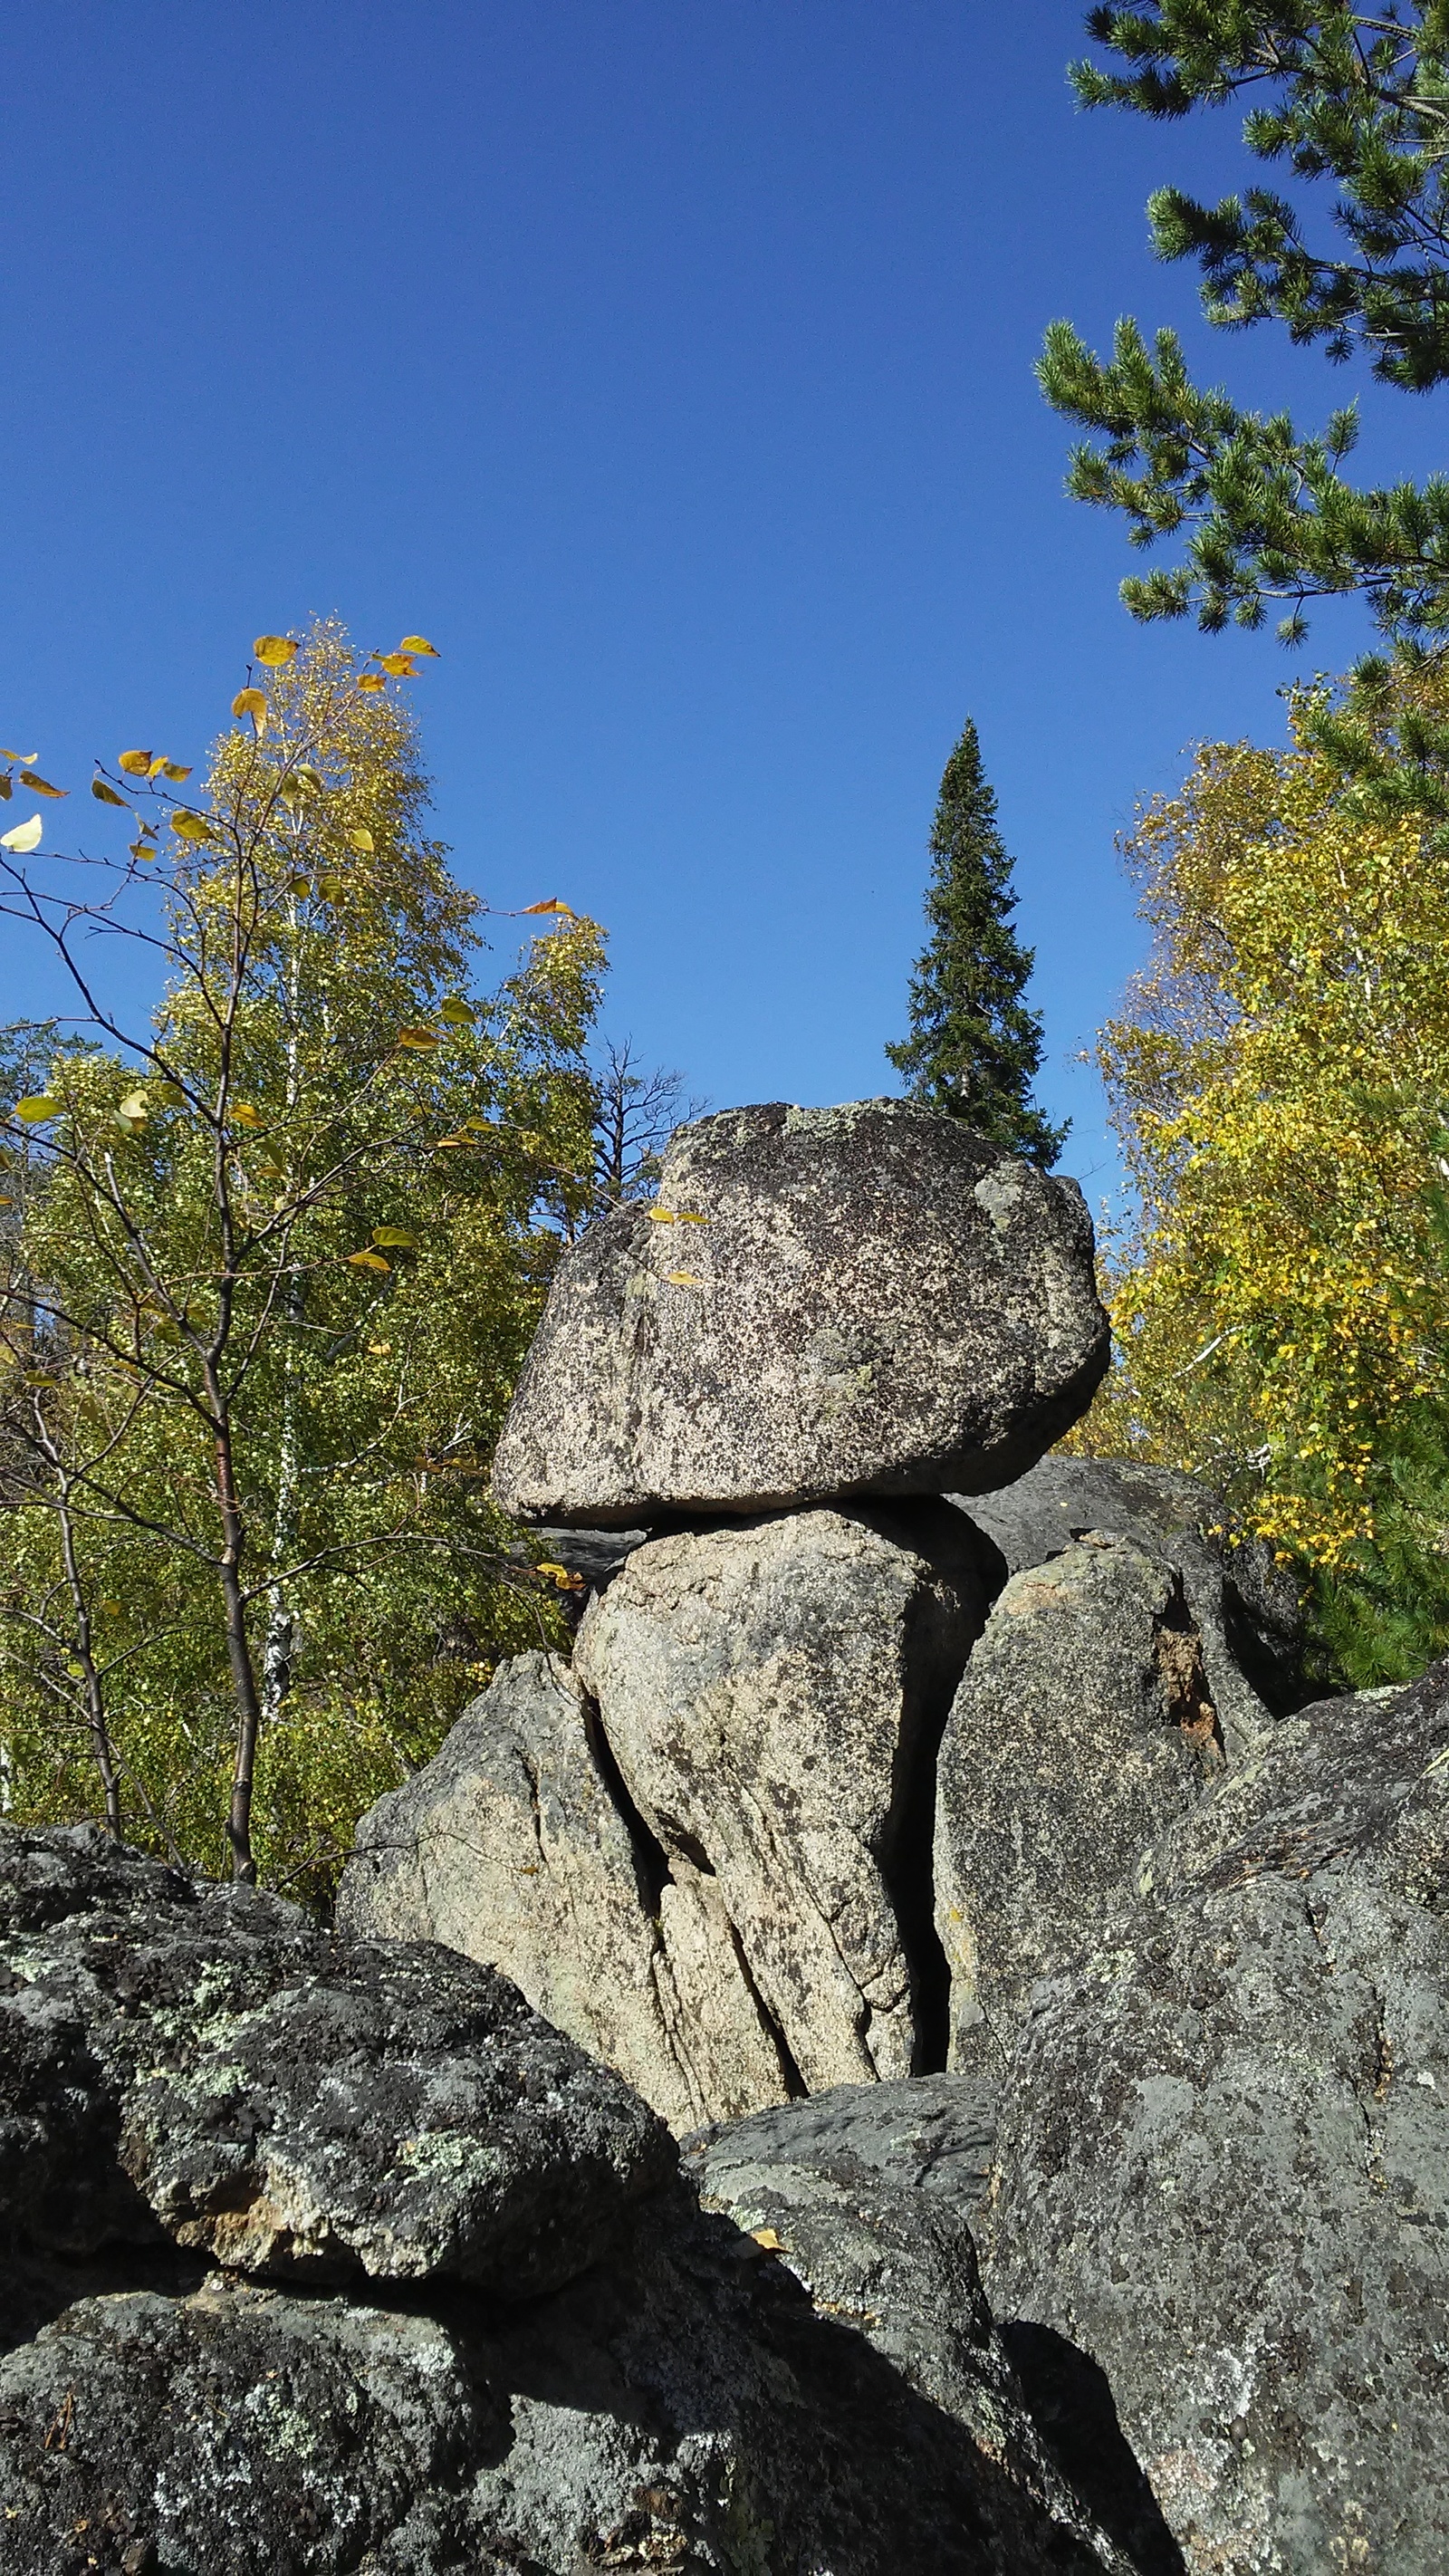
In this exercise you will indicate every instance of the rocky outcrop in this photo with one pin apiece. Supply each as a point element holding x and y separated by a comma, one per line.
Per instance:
<point>516,1845</point>
<point>704,1851</point>
<point>208,2067</point>
<point>1244,1605</point>
<point>1083,1726</point>
<point>1224,2147</point>
<point>822,1305</point>
<point>773,1697</point>
<point>655,2388</point>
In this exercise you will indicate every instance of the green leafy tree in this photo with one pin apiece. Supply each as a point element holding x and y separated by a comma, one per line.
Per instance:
<point>974,1048</point>
<point>1349,102</point>
<point>280,1259</point>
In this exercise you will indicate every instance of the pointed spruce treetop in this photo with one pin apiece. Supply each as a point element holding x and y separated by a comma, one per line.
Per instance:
<point>974,1049</point>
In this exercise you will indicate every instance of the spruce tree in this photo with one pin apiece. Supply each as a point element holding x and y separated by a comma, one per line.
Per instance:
<point>974,1048</point>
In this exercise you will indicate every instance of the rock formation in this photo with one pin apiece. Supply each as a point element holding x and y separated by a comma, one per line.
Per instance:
<point>327,2257</point>
<point>957,1871</point>
<point>823,1304</point>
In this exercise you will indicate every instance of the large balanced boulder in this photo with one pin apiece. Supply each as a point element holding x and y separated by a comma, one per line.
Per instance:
<point>1223,2163</point>
<point>516,1846</point>
<point>823,1303</point>
<point>527,2347</point>
<point>1084,1724</point>
<point>208,2067</point>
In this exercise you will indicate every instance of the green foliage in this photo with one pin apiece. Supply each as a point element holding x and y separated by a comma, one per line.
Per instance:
<point>278,1263</point>
<point>974,1047</point>
<point>1278,1077</point>
<point>1350,100</point>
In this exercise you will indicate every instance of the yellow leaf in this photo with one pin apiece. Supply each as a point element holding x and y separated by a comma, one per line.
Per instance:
<point>379,1350</point>
<point>361,839</point>
<point>133,1108</point>
<point>368,1261</point>
<point>37,1106</point>
<point>308,777</point>
<point>142,849</point>
<point>106,795</point>
<point>243,1114</point>
<point>42,786</point>
<point>136,764</point>
<point>371,680</point>
<point>192,827</point>
<point>458,1013</point>
<point>398,665</point>
<point>395,1237</point>
<point>687,1216</point>
<point>252,702</point>
<point>25,837</point>
<point>662,1216</point>
<point>419,644</point>
<point>175,770</point>
<point>6,1202</point>
<point>158,763</point>
<point>331,888</point>
<point>684,1279</point>
<point>766,2236</point>
<point>299,885</point>
<point>274,650</point>
<point>553,905</point>
<point>24,757</point>
<point>169,1094</point>
<point>416,1037</point>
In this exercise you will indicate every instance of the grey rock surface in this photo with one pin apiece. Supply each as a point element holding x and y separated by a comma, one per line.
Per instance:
<point>684,2407</point>
<point>682,2403</point>
<point>1244,1604</point>
<point>877,1302</point>
<point>872,2194</point>
<point>1224,2153</point>
<point>1083,1726</point>
<point>512,1846</point>
<point>772,1696</point>
<point>285,2100</point>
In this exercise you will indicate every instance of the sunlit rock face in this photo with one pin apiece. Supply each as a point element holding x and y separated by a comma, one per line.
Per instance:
<point>823,1304</point>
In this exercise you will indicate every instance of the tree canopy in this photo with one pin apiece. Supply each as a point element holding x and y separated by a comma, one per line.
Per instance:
<point>274,1265</point>
<point>1279,1076</point>
<point>1349,104</point>
<point>974,1048</point>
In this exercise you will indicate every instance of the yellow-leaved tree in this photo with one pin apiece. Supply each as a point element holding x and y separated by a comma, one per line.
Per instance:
<point>272,1265</point>
<point>1279,1077</point>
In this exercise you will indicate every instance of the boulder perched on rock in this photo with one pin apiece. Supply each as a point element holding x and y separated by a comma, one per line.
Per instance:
<point>1224,2152</point>
<point>1245,1606</point>
<point>654,2388</point>
<point>516,1846</point>
<point>823,1304</point>
<point>1083,1726</point>
<point>208,2067</point>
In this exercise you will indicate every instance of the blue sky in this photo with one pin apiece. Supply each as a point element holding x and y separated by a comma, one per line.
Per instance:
<point>668,362</point>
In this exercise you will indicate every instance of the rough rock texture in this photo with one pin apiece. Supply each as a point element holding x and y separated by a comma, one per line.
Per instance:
<point>1224,2156</point>
<point>513,1847</point>
<point>207,2066</point>
<point>1083,1726</point>
<point>684,2407</point>
<point>1245,1606</point>
<point>773,1696</point>
<point>679,2404</point>
<point>872,2192</point>
<point>878,1303</point>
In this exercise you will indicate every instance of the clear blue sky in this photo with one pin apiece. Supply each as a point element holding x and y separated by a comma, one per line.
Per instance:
<point>668,362</point>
